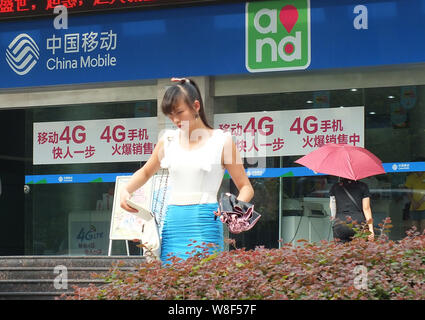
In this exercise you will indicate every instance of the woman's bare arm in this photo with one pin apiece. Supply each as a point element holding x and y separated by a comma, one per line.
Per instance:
<point>233,163</point>
<point>141,176</point>
<point>368,215</point>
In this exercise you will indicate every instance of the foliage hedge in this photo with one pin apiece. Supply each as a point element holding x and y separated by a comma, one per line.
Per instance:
<point>360,269</point>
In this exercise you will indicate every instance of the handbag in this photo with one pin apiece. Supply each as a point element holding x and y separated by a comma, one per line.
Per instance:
<point>154,227</point>
<point>238,215</point>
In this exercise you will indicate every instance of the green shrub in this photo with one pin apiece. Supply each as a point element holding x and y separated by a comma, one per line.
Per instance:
<point>360,269</point>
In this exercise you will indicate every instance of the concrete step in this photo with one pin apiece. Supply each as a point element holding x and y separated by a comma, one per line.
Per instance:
<point>31,295</point>
<point>69,261</point>
<point>33,277</point>
<point>9,273</point>
<point>44,285</point>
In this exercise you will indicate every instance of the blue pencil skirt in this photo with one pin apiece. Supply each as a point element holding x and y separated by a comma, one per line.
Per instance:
<point>184,224</point>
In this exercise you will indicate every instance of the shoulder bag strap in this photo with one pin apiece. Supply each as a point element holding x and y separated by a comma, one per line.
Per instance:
<point>158,216</point>
<point>352,199</point>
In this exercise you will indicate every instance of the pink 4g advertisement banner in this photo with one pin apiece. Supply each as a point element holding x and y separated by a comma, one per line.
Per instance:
<point>292,132</point>
<point>92,141</point>
<point>256,134</point>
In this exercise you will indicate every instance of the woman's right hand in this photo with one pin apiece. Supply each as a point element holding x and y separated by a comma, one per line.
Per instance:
<point>124,196</point>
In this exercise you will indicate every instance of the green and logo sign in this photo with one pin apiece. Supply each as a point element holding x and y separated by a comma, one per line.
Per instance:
<point>277,35</point>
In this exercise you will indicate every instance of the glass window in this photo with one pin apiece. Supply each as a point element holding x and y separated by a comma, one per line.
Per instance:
<point>298,207</point>
<point>74,218</point>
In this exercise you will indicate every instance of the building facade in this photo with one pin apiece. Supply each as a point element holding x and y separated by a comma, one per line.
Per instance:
<point>79,106</point>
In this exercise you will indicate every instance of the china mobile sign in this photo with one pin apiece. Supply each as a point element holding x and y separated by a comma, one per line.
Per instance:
<point>81,50</point>
<point>22,54</point>
<point>92,141</point>
<point>293,132</point>
<point>277,35</point>
<point>73,51</point>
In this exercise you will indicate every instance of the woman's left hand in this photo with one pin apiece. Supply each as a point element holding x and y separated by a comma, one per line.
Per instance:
<point>217,213</point>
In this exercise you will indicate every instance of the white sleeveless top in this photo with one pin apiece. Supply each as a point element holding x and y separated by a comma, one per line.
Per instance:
<point>194,175</point>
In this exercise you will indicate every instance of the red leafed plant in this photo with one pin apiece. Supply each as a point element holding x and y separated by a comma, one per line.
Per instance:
<point>360,269</point>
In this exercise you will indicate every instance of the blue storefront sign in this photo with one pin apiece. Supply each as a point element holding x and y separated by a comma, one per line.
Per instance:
<point>399,167</point>
<point>204,40</point>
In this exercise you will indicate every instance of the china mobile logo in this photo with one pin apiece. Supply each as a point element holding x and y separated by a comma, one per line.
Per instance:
<point>277,35</point>
<point>22,54</point>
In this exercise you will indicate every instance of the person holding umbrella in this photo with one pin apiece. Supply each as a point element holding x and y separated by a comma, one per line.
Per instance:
<point>349,197</point>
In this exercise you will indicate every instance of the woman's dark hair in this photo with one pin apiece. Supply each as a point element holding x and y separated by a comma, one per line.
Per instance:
<point>187,90</point>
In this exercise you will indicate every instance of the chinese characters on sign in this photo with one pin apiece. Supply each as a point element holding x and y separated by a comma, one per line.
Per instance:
<point>90,41</point>
<point>294,132</point>
<point>258,134</point>
<point>63,50</point>
<point>88,232</point>
<point>87,241</point>
<point>25,8</point>
<point>114,140</point>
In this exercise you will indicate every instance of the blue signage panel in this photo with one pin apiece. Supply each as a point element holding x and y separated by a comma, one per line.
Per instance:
<point>398,167</point>
<point>208,40</point>
<point>120,47</point>
<point>391,33</point>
